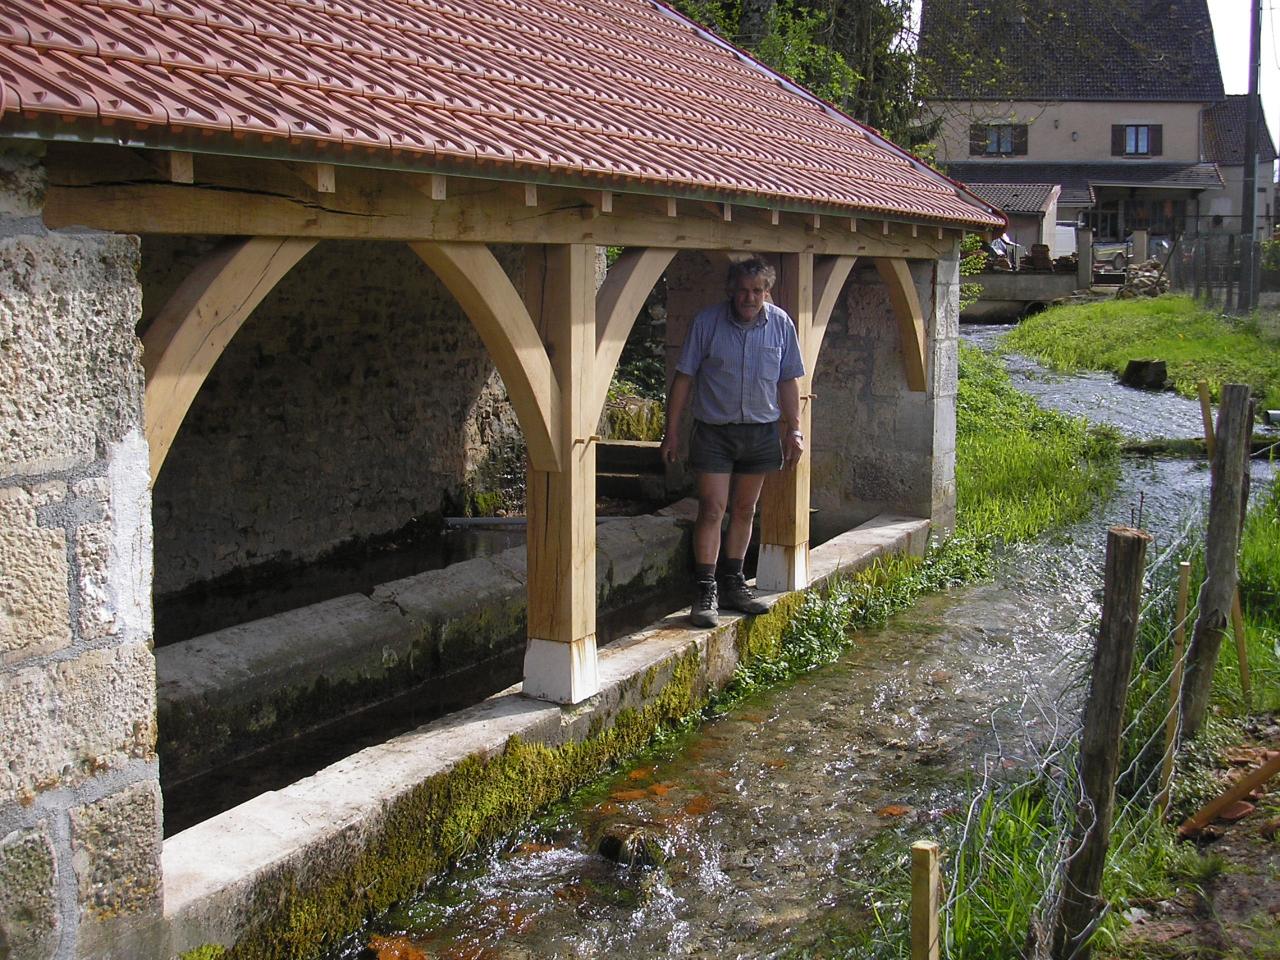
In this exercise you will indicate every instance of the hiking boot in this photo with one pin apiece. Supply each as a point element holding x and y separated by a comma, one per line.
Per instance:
<point>704,611</point>
<point>736,595</point>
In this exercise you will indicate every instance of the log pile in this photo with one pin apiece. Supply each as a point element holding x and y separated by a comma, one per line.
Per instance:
<point>1145,279</point>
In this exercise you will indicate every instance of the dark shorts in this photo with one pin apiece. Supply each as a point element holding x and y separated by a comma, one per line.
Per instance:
<point>735,448</point>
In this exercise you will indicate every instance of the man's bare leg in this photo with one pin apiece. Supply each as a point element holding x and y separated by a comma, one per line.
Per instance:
<point>713,500</point>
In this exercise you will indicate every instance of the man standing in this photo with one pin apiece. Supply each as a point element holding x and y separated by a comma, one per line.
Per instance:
<point>741,363</point>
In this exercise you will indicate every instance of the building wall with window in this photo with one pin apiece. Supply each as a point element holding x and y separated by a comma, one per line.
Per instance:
<point>1067,131</point>
<point>1220,210</point>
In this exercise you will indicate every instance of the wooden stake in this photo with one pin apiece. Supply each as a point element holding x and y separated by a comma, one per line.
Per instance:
<point>1210,810</point>
<point>1222,542</point>
<point>1100,741</point>
<point>924,900</point>
<point>1237,617</point>
<point>1175,683</point>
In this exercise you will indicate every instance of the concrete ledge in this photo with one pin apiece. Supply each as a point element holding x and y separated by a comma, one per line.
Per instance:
<point>227,693</point>
<point>370,829</point>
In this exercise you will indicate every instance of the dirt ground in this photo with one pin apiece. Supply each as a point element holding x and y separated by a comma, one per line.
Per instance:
<point>1235,914</point>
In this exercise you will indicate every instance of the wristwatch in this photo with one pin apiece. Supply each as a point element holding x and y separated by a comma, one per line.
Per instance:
<point>797,434</point>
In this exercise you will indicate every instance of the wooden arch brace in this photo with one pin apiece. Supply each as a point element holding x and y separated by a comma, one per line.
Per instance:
<point>485,292</point>
<point>618,303</point>
<point>896,275</point>
<point>194,327</point>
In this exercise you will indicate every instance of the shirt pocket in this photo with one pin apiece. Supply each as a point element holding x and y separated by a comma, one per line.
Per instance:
<point>770,363</point>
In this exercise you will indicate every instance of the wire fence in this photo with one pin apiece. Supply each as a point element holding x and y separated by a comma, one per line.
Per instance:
<point>984,863</point>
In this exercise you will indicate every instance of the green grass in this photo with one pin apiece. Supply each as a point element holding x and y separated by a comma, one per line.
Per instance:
<point>1196,343</point>
<point>1021,469</point>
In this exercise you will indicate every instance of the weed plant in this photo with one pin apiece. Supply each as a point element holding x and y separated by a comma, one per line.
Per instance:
<point>1196,343</point>
<point>1021,469</point>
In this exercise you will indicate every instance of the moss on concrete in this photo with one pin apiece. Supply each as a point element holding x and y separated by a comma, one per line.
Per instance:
<point>301,916</point>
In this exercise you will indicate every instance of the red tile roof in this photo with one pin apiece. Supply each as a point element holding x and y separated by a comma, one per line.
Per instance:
<point>624,90</point>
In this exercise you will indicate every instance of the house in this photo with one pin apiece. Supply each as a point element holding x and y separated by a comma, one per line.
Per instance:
<point>1106,100</point>
<point>1224,136</point>
<point>1032,209</point>
<point>267,272</point>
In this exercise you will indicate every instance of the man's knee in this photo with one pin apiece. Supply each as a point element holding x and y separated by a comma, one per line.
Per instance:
<point>711,509</point>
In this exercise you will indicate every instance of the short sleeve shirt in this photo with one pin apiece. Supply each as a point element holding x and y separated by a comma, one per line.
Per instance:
<point>736,368</point>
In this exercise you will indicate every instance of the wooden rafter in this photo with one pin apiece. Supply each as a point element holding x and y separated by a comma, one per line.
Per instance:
<point>194,327</point>
<point>480,285</point>
<point>896,275</point>
<point>618,303</point>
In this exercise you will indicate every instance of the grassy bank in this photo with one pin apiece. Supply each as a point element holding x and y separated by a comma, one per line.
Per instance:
<point>1197,344</point>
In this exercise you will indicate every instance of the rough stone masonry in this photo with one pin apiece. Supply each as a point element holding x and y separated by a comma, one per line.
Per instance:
<point>79,790</point>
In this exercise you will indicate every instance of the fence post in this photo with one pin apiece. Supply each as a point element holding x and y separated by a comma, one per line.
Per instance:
<point>1100,741</point>
<point>1175,683</point>
<point>924,900</point>
<point>1222,541</point>
<point>1228,303</point>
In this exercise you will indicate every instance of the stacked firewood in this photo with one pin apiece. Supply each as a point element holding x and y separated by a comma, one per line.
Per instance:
<point>1145,279</point>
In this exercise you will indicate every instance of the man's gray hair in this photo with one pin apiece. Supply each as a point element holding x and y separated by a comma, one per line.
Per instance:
<point>753,267</point>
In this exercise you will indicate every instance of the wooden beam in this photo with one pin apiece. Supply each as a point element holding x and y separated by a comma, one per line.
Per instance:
<point>319,177</point>
<point>484,291</point>
<point>240,197</point>
<point>671,206</point>
<point>530,194</point>
<point>176,166</point>
<point>606,201</point>
<point>784,502</point>
<point>775,217</point>
<point>896,275</point>
<point>197,322</point>
<point>829,276</point>
<point>560,660</point>
<point>439,187</point>
<point>618,302</point>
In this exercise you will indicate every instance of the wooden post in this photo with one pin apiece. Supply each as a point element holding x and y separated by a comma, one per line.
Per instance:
<point>924,900</point>
<point>1237,616</point>
<point>560,660</point>
<point>1229,298</point>
<point>1084,258</point>
<point>1100,741</point>
<point>1175,683</point>
<point>784,503</point>
<point>1222,541</point>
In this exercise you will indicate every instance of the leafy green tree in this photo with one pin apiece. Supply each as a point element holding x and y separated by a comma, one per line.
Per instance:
<point>856,54</point>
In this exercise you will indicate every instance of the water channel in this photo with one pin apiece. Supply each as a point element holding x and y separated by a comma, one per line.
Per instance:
<point>765,816</point>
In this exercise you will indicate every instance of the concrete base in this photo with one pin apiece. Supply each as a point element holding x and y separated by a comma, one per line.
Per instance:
<point>561,672</point>
<point>222,877</point>
<point>782,568</point>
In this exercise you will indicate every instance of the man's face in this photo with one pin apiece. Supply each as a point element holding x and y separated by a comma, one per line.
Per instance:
<point>748,297</point>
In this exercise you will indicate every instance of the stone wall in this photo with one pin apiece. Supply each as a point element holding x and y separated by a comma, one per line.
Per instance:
<point>878,446</point>
<point>356,399</point>
<point>79,790</point>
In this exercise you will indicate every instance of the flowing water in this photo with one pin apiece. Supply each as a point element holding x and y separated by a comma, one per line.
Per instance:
<point>763,816</point>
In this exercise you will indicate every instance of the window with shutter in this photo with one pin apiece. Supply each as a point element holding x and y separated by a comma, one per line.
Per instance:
<point>998,139</point>
<point>1137,140</point>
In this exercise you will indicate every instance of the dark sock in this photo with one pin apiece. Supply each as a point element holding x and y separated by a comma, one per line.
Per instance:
<point>728,567</point>
<point>704,571</point>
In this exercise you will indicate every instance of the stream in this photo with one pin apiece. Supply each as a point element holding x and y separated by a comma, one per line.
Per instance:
<point>764,816</point>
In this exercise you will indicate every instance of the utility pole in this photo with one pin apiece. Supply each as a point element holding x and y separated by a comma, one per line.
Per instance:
<point>1249,206</point>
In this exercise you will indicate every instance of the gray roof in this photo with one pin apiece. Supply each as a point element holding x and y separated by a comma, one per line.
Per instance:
<point>1224,129</point>
<point>1079,179</point>
<point>1158,50</point>
<point>1016,197</point>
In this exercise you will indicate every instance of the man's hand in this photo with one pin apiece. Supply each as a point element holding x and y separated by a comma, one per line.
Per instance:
<point>670,448</point>
<point>792,448</point>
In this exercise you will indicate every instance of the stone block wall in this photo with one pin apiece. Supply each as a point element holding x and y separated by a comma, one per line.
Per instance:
<point>356,399</point>
<point>878,446</point>
<point>79,788</point>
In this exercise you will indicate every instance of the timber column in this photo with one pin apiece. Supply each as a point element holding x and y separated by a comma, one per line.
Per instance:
<point>784,503</point>
<point>560,660</point>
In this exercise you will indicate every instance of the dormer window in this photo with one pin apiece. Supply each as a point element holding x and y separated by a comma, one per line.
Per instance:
<point>998,139</point>
<point>1136,139</point>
